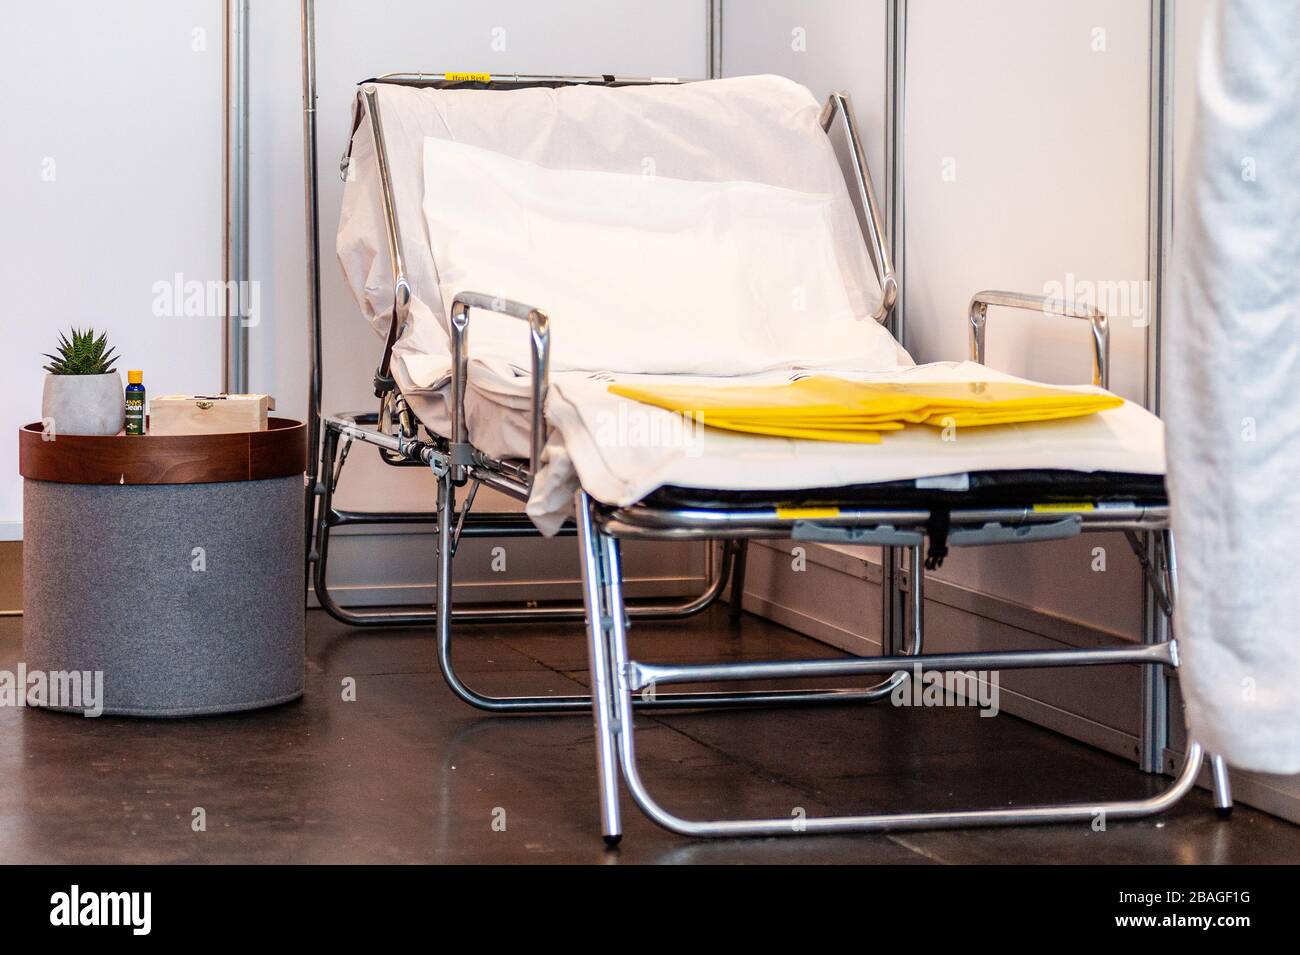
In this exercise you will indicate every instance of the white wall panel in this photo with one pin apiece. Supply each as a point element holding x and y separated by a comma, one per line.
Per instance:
<point>110,181</point>
<point>1026,169</point>
<point>1026,165</point>
<point>827,45</point>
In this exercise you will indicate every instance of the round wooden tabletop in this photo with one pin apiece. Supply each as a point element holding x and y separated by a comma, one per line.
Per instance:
<point>279,451</point>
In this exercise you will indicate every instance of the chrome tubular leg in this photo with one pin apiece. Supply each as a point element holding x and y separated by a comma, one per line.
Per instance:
<point>885,822</point>
<point>740,548</point>
<point>891,608</point>
<point>326,514</point>
<point>597,584</point>
<point>328,517</point>
<point>323,496</point>
<point>1154,732</point>
<point>1222,786</point>
<point>623,708</point>
<point>1029,815</point>
<point>443,607</point>
<point>916,597</point>
<point>445,616</point>
<point>310,500</point>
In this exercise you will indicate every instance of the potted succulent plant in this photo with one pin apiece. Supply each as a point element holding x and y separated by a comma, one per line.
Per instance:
<point>83,394</point>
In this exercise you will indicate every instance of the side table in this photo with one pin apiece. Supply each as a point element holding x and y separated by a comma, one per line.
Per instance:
<point>173,564</point>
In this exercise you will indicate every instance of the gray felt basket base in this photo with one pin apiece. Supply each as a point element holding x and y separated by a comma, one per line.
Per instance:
<point>184,711</point>
<point>188,597</point>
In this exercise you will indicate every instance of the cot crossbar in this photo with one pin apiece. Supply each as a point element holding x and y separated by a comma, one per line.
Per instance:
<point>642,675</point>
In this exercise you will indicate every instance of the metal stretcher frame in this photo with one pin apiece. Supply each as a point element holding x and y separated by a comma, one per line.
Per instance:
<point>327,464</point>
<point>456,462</point>
<point>615,677</point>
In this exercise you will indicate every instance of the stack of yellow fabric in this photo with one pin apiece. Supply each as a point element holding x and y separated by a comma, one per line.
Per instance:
<point>823,408</point>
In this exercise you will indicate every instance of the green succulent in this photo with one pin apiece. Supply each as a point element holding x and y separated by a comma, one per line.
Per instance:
<point>85,354</point>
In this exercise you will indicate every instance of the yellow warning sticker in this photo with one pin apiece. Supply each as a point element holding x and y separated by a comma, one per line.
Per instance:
<point>806,513</point>
<point>467,77</point>
<point>1056,508</point>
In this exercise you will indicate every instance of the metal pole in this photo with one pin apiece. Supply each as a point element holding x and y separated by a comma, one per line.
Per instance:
<point>737,551</point>
<point>1160,186</point>
<point>601,591</point>
<point>895,90</point>
<point>1154,732</point>
<point>893,622</point>
<point>234,366</point>
<point>312,207</point>
<point>715,39</point>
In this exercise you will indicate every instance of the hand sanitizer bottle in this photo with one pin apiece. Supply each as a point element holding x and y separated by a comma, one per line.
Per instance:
<point>135,402</point>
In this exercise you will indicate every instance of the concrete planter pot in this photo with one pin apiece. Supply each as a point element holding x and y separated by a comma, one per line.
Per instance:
<point>83,404</point>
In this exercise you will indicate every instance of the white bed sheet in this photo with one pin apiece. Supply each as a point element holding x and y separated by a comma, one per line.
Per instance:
<point>620,450</point>
<point>645,274</point>
<point>762,129</point>
<point>757,130</point>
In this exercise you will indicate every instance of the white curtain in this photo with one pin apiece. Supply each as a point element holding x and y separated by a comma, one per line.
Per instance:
<point>1232,390</point>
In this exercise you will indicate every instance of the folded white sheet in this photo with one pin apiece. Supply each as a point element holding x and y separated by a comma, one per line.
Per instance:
<point>760,129</point>
<point>644,273</point>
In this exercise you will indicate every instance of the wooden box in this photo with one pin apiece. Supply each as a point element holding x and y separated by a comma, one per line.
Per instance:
<point>202,414</point>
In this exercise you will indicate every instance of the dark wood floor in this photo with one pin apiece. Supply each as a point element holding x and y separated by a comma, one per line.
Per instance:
<point>406,773</point>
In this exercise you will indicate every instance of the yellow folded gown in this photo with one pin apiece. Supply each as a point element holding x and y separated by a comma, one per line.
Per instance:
<point>824,408</point>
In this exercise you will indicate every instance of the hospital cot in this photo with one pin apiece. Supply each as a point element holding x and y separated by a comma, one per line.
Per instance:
<point>1030,495</point>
